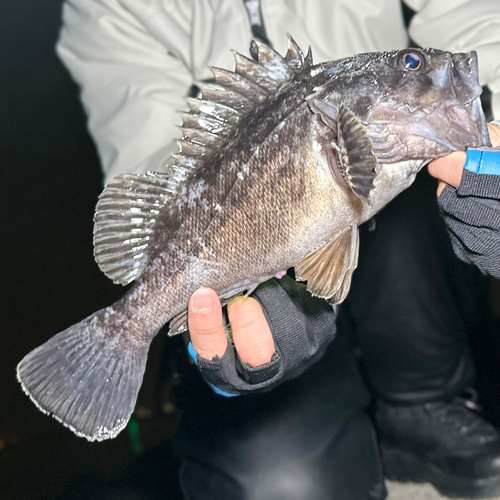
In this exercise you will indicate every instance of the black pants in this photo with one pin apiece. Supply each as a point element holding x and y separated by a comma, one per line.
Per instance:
<point>411,307</point>
<point>413,304</point>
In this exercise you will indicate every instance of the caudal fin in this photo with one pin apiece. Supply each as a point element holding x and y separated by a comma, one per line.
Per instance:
<point>87,377</point>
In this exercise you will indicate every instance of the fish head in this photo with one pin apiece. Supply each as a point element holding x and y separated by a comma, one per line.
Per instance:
<point>393,112</point>
<point>424,103</point>
<point>414,103</point>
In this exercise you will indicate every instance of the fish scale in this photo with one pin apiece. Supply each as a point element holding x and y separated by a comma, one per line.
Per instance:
<point>278,164</point>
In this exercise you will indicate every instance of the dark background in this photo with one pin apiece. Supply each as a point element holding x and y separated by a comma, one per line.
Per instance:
<point>49,183</point>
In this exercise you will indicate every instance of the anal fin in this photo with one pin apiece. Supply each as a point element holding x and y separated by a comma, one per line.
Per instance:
<point>328,270</point>
<point>178,324</point>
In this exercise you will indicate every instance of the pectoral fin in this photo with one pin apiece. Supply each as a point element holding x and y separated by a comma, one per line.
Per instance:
<point>355,158</point>
<point>357,161</point>
<point>328,270</point>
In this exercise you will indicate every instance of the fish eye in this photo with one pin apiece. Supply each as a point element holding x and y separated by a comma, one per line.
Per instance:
<point>411,60</point>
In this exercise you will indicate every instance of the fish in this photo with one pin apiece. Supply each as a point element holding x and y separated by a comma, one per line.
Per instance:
<point>279,163</point>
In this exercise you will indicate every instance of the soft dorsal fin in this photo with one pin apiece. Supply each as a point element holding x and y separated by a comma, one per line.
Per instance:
<point>329,268</point>
<point>231,97</point>
<point>123,223</point>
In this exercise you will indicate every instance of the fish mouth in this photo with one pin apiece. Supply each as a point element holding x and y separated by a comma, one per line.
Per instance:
<point>467,117</point>
<point>449,118</point>
<point>466,123</point>
<point>468,127</point>
<point>478,117</point>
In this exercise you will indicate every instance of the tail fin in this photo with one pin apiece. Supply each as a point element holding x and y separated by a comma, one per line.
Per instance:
<point>87,377</point>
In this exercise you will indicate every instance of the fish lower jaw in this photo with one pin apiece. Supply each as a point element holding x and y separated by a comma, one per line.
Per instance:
<point>469,125</point>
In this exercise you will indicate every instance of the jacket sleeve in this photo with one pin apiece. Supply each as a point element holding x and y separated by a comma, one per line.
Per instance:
<point>472,212</point>
<point>115,60</point>
<point>462,26</point>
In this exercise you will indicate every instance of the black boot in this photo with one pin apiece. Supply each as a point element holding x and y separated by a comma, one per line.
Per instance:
<point>447,444</point>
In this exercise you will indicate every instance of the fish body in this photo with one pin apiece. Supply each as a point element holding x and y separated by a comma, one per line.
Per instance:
<point>279,163</point>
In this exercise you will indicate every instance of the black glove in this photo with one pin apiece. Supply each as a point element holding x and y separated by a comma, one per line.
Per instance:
<point>302,326</point>
<point>472,214</point>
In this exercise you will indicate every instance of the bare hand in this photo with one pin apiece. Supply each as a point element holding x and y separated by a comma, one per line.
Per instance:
<point>449,169</point>
<point>251,333</point>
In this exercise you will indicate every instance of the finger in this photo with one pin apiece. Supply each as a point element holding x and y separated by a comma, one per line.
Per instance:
<point>440,188</point>
<point>494,131</point>
<point>205,324</point>
<point>251,333</point>
<point>449,169</point>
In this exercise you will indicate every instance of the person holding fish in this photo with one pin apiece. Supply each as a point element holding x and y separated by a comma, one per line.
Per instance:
<point>376,121</point>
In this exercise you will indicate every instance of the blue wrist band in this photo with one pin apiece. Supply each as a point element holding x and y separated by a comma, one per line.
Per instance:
<point>192,353</point>
<point>222,393</point>
<point>483,162</point>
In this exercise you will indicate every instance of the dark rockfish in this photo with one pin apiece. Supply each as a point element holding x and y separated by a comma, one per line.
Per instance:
<point>278,165</point>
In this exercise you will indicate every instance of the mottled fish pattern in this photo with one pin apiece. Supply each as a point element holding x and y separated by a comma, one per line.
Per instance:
<point>279,163</point>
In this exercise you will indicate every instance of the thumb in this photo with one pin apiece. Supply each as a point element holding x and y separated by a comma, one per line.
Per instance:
<point>205,324</point>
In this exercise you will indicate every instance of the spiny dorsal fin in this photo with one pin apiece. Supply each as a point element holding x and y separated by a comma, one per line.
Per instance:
<point>329,268</point>
<point>123,223</point>
<point>233,95</point>
<point>295,57</point>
